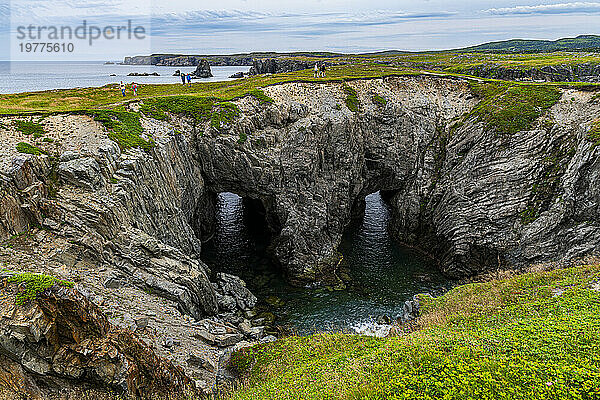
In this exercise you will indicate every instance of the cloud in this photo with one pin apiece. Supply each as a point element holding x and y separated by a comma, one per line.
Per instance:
<point>562,8</point>
<point>309,24</point>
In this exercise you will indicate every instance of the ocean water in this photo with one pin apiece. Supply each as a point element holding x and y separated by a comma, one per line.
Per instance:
<point>384,273</point>
<point>17,77</point>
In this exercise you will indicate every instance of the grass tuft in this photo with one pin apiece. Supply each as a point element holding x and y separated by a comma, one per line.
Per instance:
<point>261,96</point>
<point>29,128</point>
<point>352,101</point>
<point>26,148</point>
<point>123,127</point>
<point>509,108</point>
<point>534,336</point>
<point>200,109</point>
<point>34,284</point>
<point>594,133</point>
<point>380,101</point>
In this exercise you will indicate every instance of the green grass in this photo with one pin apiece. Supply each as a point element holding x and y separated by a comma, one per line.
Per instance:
<point>200,109</point>
<point>29,128</point>
<point>260,96</point>
<point>508,108</point>
<point>197,108</point>
<point>109,96</point>
<point>351,100</point>
<point>223,114</point>
<point>34,284</point>
<point>377,99</point>
<point>533,336</point>
<point>26,148</point>
<point>123,127</point>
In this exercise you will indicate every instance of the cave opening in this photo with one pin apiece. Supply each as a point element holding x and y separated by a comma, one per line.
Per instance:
<point>382,273</point>
<point>240,244</point>
<point>384,270</point>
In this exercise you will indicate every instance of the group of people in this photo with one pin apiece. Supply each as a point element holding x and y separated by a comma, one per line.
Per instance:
<point>320,70</point>
<point>186,77</point>
<point>134,88</point>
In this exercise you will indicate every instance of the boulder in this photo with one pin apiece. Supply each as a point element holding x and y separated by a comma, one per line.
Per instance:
<point>235,288</point>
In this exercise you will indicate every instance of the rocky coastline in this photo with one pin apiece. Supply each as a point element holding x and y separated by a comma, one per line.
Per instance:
<point>126,226</point>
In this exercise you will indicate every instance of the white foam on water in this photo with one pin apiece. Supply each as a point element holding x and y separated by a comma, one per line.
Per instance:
<point>371,328</point>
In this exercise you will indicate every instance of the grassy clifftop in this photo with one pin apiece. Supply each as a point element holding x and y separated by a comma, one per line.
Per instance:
<point>533,336</point>
<point>109,97</point>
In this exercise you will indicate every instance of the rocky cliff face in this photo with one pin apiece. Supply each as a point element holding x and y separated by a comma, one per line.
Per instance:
<point>62,345</point>
<point>127,226</point>
<point>276,66</point>
<point>172,60</point>
<point>459,193</point>
<point>554,73</point>
<point>129,223</point>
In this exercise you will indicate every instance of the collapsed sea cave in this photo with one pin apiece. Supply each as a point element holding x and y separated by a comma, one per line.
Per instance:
<point>376,274</point>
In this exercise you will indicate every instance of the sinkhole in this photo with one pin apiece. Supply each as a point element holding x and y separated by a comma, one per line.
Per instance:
<point>383,274</point>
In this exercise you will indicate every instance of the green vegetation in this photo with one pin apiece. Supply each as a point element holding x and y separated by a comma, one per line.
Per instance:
<point>352,101</point>
<point>377,99</point>
<point>594,133</point>
<point>260,96</point>
<point>26,148</point>
<point>197,108</point>
<point>510,107</point>
<point>200,109</point>
<point>29,128</point>
<point>34,284</point>
<point>533,336</point>
<point>123,127</point>
<point>579,43</point>
<point>243,138</point>
<point>528,215</point>
<point>223,114</point>
<point>110,97</point>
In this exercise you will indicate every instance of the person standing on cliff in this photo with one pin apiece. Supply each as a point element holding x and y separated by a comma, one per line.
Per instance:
<point>189,79</point>
<point>122,86</point>
<point>183,79</point>
<point>316,70</point>
<point>323,70</point>
<point>134,88</point>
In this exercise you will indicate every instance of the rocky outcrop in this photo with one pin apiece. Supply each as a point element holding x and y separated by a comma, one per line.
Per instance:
<point>551,73</point>
<point>130,223</point>
<point>460,197</point>
<point>173,60</point>
<point>459,192</point>
<point>202,70</point>
<point>61,343</point>
<point>143,74</point>
<point>277,65</point>
<point>136,213</point>
<point>232,294</point>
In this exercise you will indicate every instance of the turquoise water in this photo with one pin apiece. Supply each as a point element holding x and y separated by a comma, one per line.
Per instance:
<point>384,274</point>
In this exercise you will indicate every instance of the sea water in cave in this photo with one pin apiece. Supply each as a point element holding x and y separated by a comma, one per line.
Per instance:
<point>384,274</point>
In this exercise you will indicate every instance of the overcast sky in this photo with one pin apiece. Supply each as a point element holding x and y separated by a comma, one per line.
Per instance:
<point>227,26</point>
